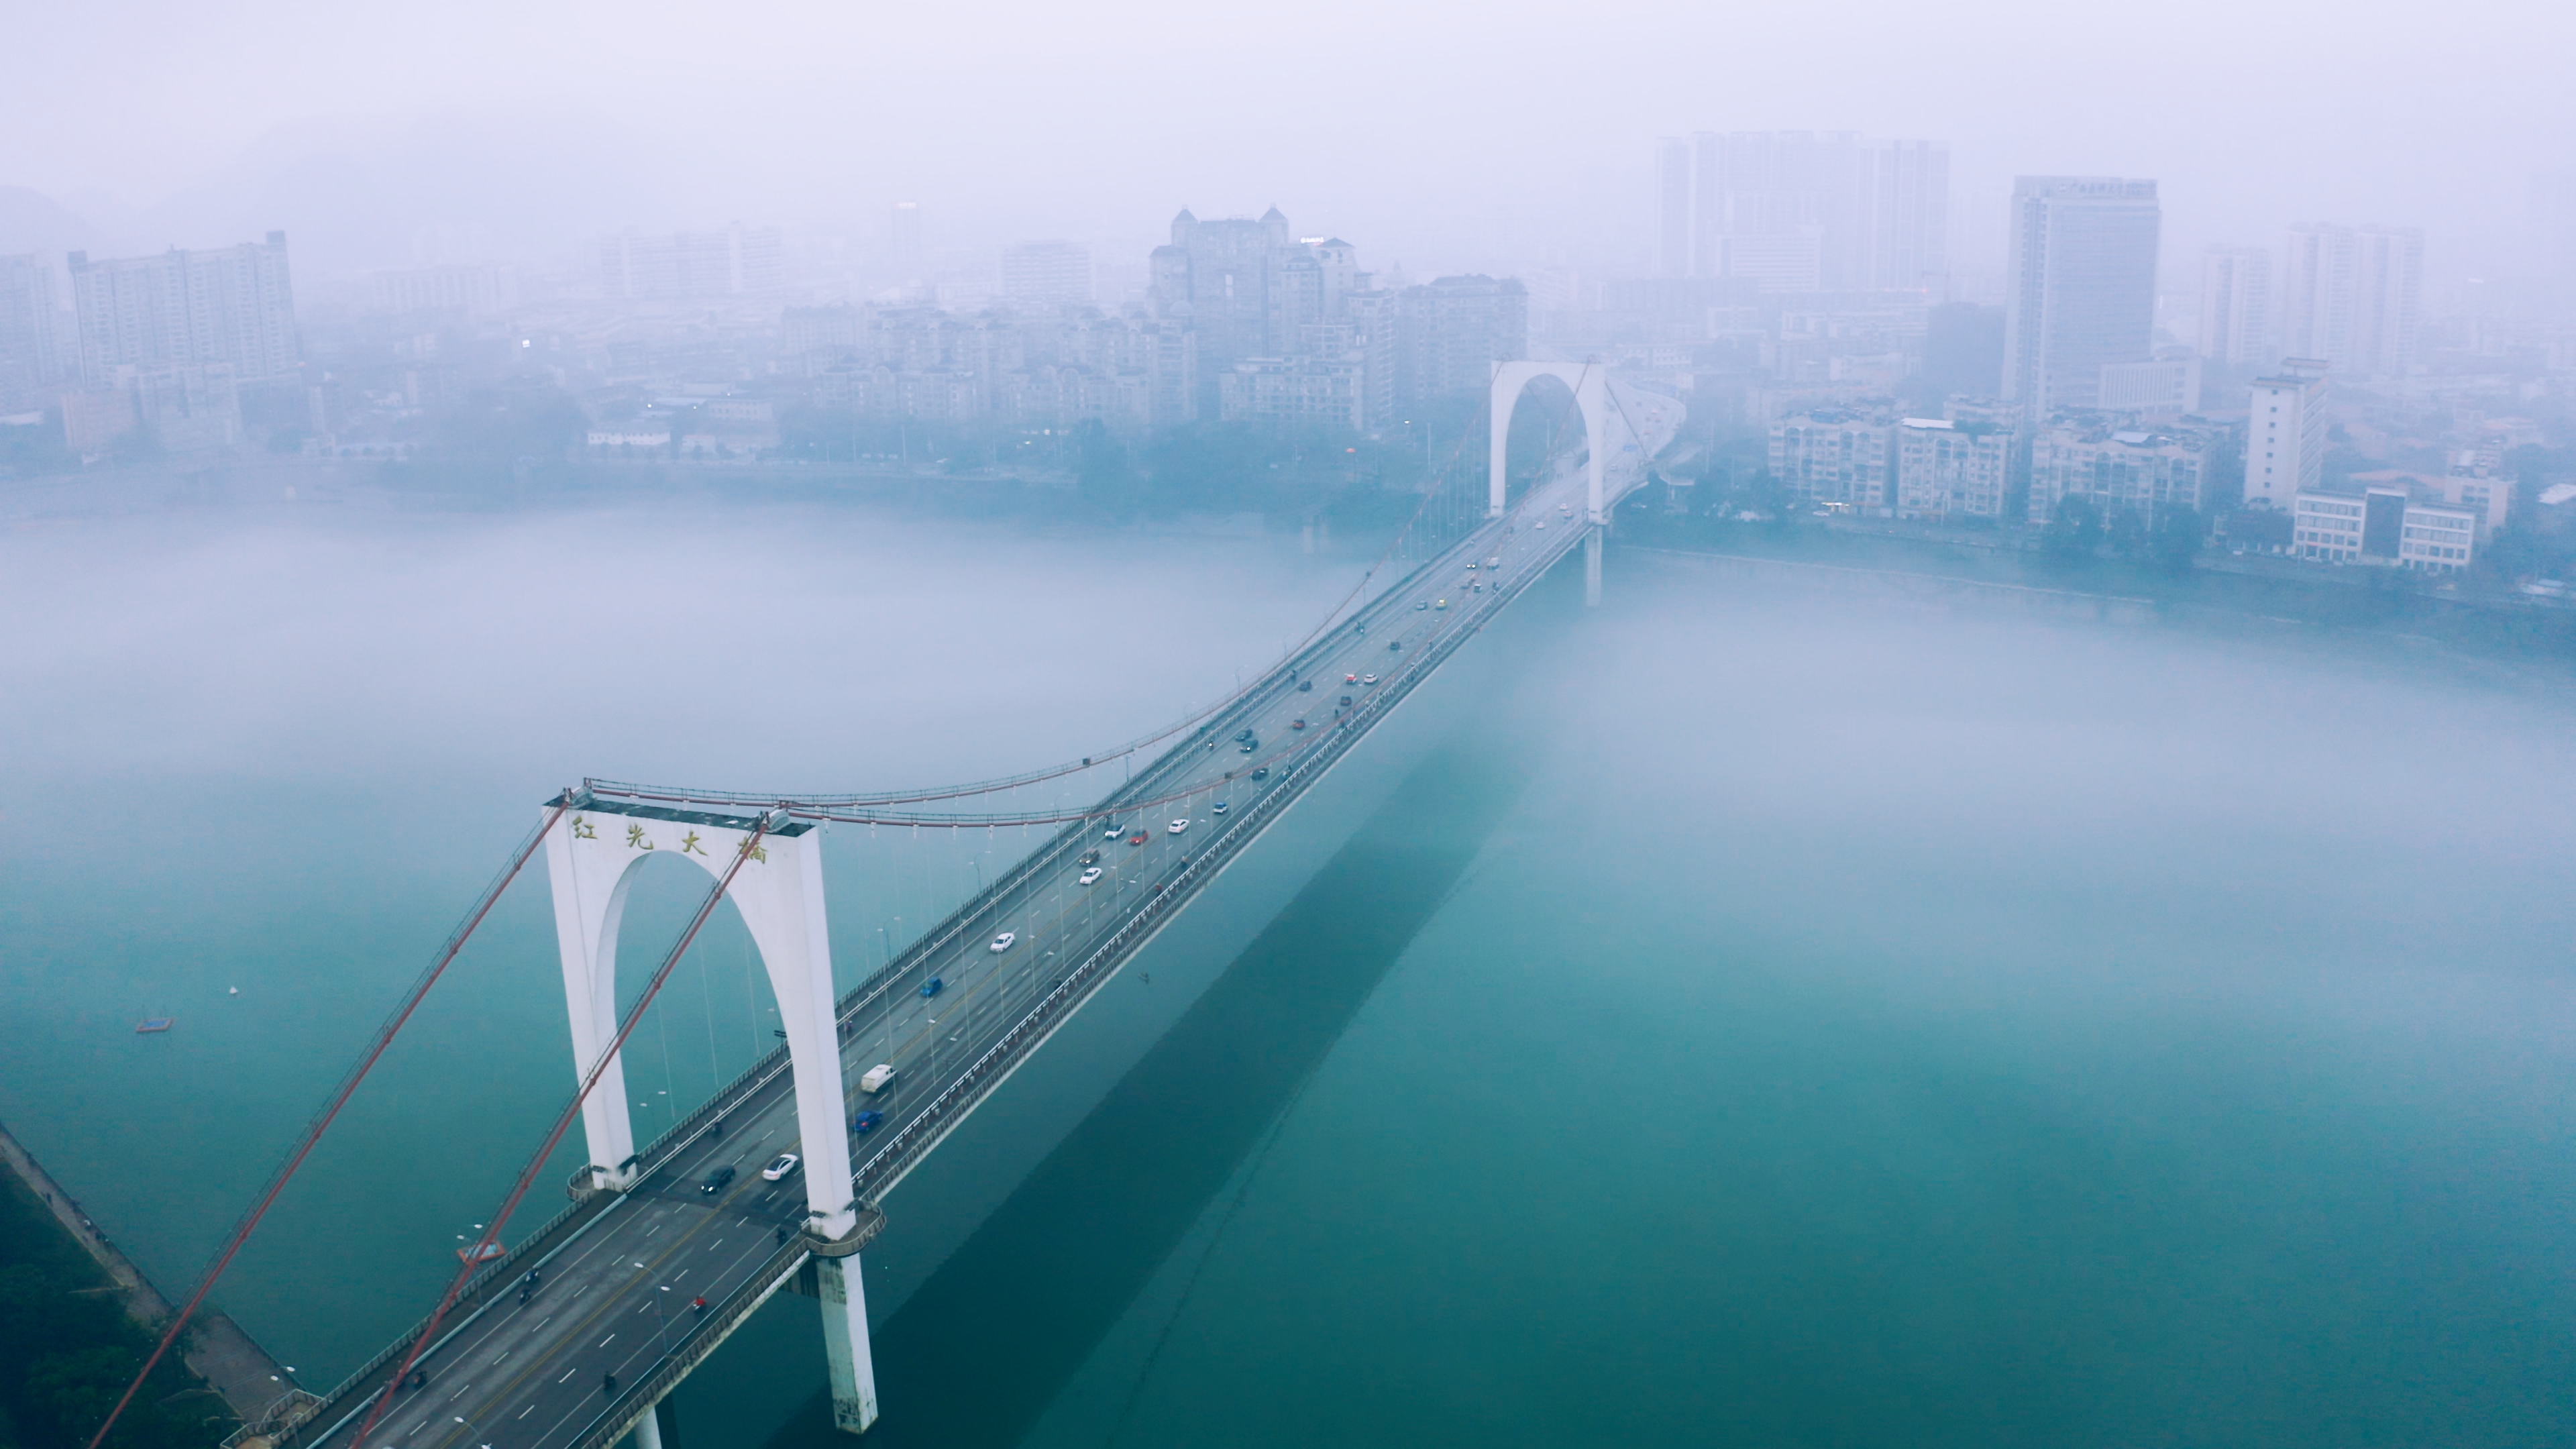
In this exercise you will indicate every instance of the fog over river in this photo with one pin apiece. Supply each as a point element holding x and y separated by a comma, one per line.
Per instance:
<point>1772,1016</point>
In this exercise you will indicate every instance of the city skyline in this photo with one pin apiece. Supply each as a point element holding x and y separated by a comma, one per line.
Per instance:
<point>1448,180</point>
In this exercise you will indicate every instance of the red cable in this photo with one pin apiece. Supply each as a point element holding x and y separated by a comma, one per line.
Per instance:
<point>563,1124</point>
<point>322,1122</point>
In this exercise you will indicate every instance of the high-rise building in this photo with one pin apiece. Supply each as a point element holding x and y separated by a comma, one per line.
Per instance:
<point>1217,275</point>
<point>234,308</point>
<point>1047,273</point>
<point>2236,305</point>
<point>1963,350</point>
<point>2285,434</point>
<point>1909,226</point>
<point>30,342</point>
<point>2353,296</point>
<point>474,290</point>
<point>688,266</point>
<point>1673,192</point>
<point>903,240</point>
<point>1452,330</point>
<point>1804,210</point>
<point>2080,286</point>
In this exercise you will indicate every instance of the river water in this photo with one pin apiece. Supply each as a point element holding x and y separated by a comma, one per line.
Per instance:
<point>1741,1014</point>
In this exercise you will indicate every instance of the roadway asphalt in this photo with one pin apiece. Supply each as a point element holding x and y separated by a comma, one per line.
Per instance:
<point>617,1298</point>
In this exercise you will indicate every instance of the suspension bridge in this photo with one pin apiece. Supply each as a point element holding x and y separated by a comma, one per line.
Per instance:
<point>570,1337</point>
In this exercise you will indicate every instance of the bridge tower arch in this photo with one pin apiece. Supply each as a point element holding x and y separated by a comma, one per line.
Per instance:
<point>1590,383</point>
<point>591,858</point>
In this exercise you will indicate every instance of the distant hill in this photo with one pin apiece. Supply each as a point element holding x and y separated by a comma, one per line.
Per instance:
<point>31,221</point>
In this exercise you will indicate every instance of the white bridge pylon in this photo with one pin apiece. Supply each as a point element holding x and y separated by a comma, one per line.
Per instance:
<point>591,857</point>
<point>1590,382</point>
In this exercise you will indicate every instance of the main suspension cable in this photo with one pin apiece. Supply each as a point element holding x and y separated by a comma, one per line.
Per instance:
<point>321,1121</point>
<point>563,1123</point>
<point>922,795</point>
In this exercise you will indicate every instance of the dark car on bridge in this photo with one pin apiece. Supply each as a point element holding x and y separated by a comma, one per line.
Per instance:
<point>866,1122</point>
<point>717,1180</point>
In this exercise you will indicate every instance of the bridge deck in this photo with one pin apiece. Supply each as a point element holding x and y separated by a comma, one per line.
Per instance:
<point>620,1274</point>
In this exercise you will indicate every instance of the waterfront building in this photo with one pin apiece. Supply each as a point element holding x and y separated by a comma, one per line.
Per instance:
<point>2121,468</point>
<point>2285,434</point>
<point>2488,498</point>
<point>1831,456</point>
<point>2384,524</point>
<point>1951,469</point>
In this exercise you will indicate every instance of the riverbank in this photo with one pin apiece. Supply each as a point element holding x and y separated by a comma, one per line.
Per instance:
<point>2215,591</point>
<point>220,1360</point>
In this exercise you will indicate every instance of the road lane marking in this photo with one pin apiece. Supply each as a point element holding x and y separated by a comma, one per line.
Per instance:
<point>530,1409</point>
<point>979,1002</point>
<point>603,1343</point>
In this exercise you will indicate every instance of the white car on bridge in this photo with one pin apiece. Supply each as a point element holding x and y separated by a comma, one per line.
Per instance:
<point>1176,827</point>
<point>1003,942</point>
<point>779,1166</point>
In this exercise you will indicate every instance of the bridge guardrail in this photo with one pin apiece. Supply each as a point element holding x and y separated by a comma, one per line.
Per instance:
<point>926,1129</point>
<point>556,1231</point>
<point>919,1135</point>
<point>628,1408</point>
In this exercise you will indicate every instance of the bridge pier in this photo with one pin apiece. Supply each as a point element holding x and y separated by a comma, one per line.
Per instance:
<point>1592,567</point>
<point>845,1344</point>
<point>648,1430</point>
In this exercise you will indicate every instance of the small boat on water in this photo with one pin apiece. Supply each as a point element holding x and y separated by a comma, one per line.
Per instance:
<point>152,1024</point>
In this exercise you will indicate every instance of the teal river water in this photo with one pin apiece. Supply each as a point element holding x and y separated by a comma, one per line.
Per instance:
<point>1743,1015</point>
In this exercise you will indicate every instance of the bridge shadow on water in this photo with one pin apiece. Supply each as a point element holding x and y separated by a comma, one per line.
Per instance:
<point>990,1339</point>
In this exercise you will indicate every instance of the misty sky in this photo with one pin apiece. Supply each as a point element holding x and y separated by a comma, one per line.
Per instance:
<point>1443,136</point>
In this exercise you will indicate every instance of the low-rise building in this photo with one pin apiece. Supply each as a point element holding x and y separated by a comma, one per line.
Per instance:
<point>2490,498</point>
<point>1828,456</point>
<point>2167,385</point>
<point>1331,391</point>
<point>2120,469</point>
<point>2384,524</point>
<point>1947,469</point>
